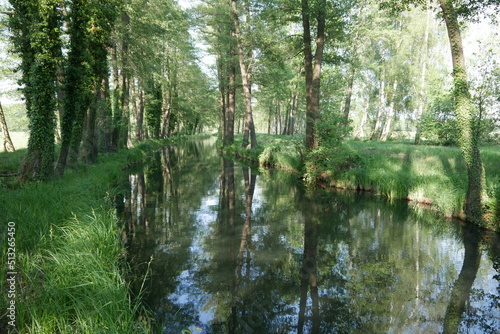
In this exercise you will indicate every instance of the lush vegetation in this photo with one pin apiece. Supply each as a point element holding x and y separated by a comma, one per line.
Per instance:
<point>432,176</point>
<point>96,77</point>
<point>70,276</point>
<point>274,151</point>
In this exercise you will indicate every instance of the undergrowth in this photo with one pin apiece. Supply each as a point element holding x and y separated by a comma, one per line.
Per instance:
<point>68,251</point>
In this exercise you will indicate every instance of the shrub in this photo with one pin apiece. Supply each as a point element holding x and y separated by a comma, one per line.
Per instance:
<point>329,162</point>
<point>439,124</point>
<point>332,129</point>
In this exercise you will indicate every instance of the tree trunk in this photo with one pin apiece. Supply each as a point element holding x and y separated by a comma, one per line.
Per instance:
<point>423,74</point>
<point>390,115</point>
<point>117,111</point>
<point>139,132</point>
<point>269,119</point>
<point>381,110</point>
<point>60,101</point>
<point>249,133</point>
<point>7,142</point>
<point>312,68</point>
<point>222,97</point>
<point>348,98</point>
<point>105,117</point>
<point>361,132</point>
<point>90,141</point>
<point>287,116</point>
<point>125,86</point>
<point>166,113</point>
<point>277,119</point>
<point>38,50</point>
<point>77,95</point>
<point>468,136</point>
<point>231,100</point>
<point>293,113</point>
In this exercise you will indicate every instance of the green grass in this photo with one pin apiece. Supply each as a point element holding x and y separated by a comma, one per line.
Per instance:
<point>420,172</point>
<point>431,175</point>
<point>434,175</point>
<point>68,250</point>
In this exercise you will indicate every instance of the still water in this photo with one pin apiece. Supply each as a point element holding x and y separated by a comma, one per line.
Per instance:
<point>220,247</point>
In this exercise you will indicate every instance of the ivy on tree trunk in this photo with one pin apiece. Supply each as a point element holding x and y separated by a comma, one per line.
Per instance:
<point>464,109</point>
<point>36,37</point>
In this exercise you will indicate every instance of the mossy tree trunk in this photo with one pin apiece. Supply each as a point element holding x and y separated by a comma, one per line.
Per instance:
<point>467,120</point>
<point>36,38</point>
<point>76,98</point>
<point>103,14</point>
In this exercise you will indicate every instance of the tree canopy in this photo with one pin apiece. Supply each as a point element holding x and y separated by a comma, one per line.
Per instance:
<point>98,76</point>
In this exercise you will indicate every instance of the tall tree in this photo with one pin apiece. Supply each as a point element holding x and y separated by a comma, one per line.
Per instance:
<point>423,75</point>
<point>36,37</point>
<point>218,31</point>
<point>467,122</point>
<point>246,76</point>
<point>102,17</point>
<point>77,96</point>
<point>312,65</point>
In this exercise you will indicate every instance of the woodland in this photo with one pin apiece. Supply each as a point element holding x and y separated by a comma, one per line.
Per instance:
<point>337,91</point>
<point>97,76</point>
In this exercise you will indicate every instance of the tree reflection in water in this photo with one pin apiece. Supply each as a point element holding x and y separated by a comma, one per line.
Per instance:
<point>309,274</point>
<point>238,251</point>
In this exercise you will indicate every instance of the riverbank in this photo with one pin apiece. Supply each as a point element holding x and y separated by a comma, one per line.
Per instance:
<point>277,151</point>
<point>433,176</point>
<point>69,272</point>
<point>69,260</point>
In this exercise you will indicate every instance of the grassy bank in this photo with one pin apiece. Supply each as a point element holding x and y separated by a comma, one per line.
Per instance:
<point>68,251</point>
<point>432,175</point>
<point>275,151</point>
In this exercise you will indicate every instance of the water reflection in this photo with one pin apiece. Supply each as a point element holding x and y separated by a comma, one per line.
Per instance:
<point>240,251</point>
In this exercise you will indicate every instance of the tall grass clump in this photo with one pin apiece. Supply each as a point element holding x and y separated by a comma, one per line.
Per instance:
<point>69,256</point>
<point>77,286</point>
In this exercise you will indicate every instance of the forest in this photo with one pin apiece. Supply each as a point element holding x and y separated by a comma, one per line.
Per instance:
<point>97,77</point>
<point>397,99</point>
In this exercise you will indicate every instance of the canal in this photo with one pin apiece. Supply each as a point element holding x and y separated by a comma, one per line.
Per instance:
<point>217,246</point>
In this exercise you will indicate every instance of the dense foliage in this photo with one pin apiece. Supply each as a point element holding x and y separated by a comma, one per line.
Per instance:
<point>99,76</point>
